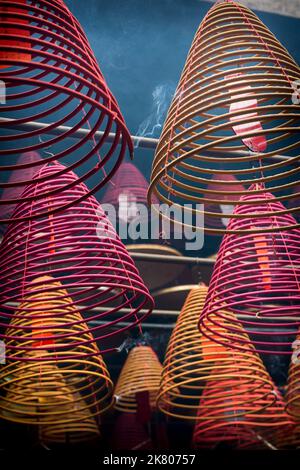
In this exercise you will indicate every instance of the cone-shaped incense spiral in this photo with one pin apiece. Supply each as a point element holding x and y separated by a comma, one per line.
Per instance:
<point>54,91</point>
<point>79,248</point>
<point>257,277</point>
<point>54,373</point>
<point>233,111</point>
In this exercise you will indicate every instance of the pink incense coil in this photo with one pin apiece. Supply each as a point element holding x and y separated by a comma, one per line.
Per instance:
<point>257,276</point>
<point>128,188</point>
<point>290,440</point>
<point>14,192</point>
<point>80,249</point>
<point>221,194</point>
<point>52,77</point>
<point>294,203</point>
<point>128,180</point>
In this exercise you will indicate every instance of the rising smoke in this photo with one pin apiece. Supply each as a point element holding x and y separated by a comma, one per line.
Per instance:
<point>161,99</point>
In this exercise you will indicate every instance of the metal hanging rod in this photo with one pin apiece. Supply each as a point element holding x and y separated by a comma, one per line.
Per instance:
<point>143,142</point>
<point>159,326</point>
<point>171,326</point>
<point>106,309</point>
<point>162,312</point>
<point>188,260</point>
<point>175,313</point>
<point>280,7</point>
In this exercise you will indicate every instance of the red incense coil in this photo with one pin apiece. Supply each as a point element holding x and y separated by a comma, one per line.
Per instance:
<point>141,373</point>
<point>80,249</point>
<point>258,278</point>
<point>52,77</point>
<point>13,31</point>
<point>59,379</point>
<point>193,362</point>
<point>233,111</point>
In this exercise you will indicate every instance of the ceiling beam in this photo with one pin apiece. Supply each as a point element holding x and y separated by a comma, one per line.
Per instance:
<point>281,7</point>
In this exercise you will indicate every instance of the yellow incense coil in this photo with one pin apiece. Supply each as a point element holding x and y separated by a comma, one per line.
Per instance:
<point>234,112</point>
<point>141,373</point>
<point>54,371</point>
<point>84,429</point>
<point>197,367</point>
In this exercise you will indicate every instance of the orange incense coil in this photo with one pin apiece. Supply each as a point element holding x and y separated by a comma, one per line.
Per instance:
<point>234,413</point>
<point>222,418</point>
<point>193,361</point>
<point>141,374</point>
<point>291,439</point>
<point>54,372</point>
<point>233,113</point>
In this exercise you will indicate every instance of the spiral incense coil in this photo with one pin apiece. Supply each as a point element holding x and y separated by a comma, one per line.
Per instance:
<point>292,396</point>
<point>294,203</point>
<point>222,208</point>
<point>141,373</point>
<point>257,277</point>
<point>193,362</point>
<point>228,425</point>
<point>130,434</point>
<point>9,29</point>
<point>237,436</point>
<point>52,77</point>
<point>233,111</point>
<point>54,373</point>
<point>84,429</point>
<point>16,176</point>
<point>80,249</point>
<point>127,194</point>
<point>290,440</point>
<point>128,183</point>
